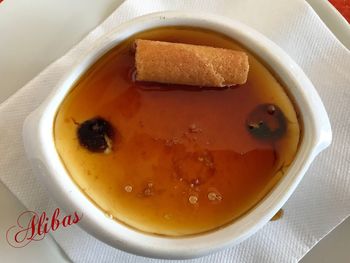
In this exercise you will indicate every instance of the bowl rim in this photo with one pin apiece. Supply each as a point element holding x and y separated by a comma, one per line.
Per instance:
<point>40,145</point>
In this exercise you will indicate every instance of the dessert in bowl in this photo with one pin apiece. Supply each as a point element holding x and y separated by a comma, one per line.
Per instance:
<point>177,134</point>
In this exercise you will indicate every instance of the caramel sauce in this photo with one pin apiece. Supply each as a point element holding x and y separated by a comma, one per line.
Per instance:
<point>183,160</point>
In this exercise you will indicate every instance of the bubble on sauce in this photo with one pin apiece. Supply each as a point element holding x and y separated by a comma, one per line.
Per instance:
<point>193,199</point>
<point>195,182</point>
<point>128,188</point>
<point>214,196</point>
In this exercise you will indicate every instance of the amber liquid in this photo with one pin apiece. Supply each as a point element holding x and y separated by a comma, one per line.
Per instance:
<point>183,161</point>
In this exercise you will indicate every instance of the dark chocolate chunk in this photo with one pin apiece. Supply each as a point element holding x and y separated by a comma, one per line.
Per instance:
<point>96,135</point>
<point>267,121</point>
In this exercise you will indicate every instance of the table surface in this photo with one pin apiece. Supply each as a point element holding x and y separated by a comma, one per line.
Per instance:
<point>35,33</point>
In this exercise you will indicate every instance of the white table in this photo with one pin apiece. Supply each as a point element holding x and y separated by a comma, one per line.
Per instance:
<point>35,33</point>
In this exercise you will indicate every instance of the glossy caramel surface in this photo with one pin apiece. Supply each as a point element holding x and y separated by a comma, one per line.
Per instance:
<point>183,160</point>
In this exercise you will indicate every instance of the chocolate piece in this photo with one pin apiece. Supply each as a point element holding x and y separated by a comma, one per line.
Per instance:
<point>267,121</point>
<point>96,135</point>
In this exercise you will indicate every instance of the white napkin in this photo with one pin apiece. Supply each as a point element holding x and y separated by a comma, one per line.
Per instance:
<point>322,200</point>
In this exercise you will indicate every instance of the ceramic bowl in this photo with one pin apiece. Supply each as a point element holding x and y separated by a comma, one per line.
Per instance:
<point>40,146</point>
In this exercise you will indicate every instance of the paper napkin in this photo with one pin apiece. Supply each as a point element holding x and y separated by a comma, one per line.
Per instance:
<point>320,203</point>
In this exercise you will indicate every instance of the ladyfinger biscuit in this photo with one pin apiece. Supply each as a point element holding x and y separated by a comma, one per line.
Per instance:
<point>185,64</point>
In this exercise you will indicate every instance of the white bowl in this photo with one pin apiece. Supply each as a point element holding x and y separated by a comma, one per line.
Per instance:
<point>40,147</point>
